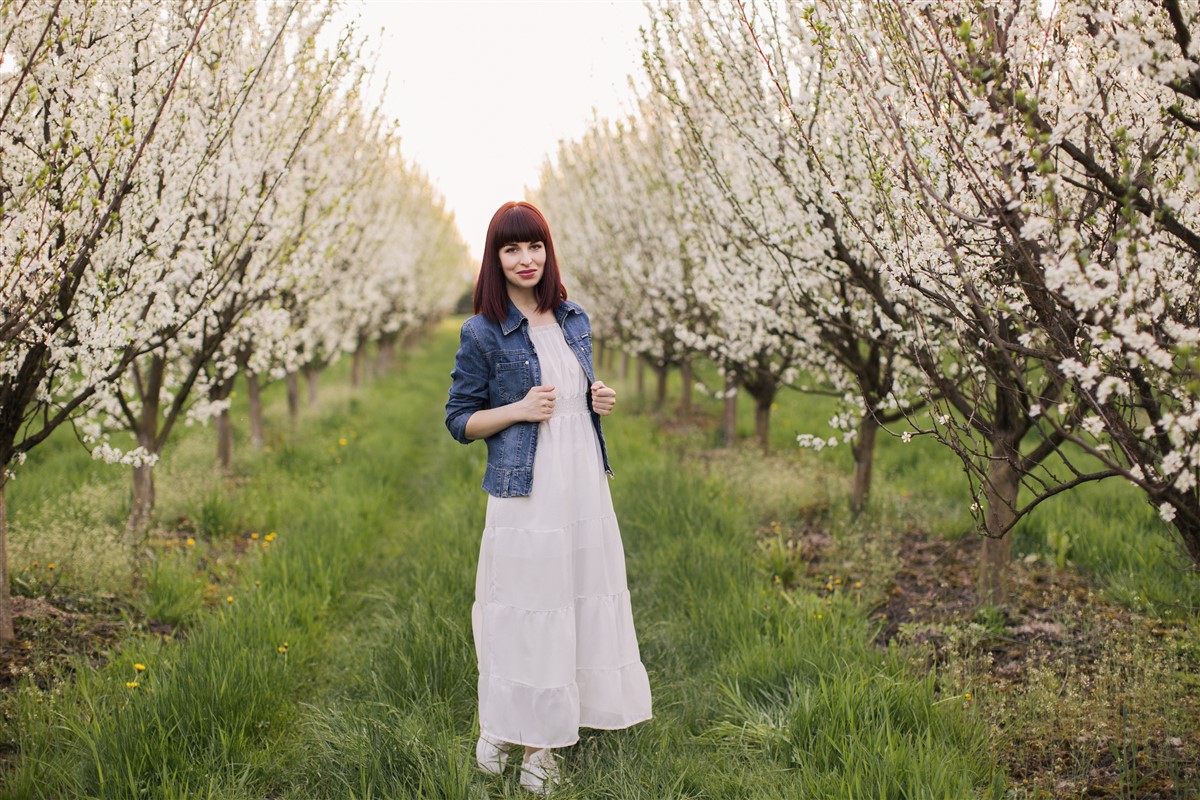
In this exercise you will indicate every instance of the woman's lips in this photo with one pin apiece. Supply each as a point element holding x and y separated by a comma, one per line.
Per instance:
<point>527,273</point>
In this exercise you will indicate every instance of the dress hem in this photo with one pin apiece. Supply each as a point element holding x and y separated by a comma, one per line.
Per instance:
<point>574,741</point>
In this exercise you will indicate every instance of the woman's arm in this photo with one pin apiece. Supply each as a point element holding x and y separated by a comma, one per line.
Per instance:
<point>468,385</point>
<point>536,406</point>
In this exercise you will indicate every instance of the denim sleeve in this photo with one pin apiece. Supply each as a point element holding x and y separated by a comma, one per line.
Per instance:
<point>468,386</point>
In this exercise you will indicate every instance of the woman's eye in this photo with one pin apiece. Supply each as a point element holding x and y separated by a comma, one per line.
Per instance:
<point>536,246</point>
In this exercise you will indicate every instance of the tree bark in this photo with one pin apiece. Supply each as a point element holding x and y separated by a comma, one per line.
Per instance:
<point>142,503</point>
<point>224,426</point>
<point>762,420</point>
<point>254,400</point>
<point>6,623</point>
<point>864,460</point>
<point>641,376</point>
<point>310,377</point>
<point>685,398</point>
<point>293,398</point>
<point>660,389</point>
<point>385,356</point>
<point>1004,481</point>
<point>624,373</point>
<point>143,499</point>
<point>731,396</point>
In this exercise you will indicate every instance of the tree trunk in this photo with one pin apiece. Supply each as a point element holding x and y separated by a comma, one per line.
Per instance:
<point>1001,494</point>
<point>224,426</point>
<point>685,398</point>
<point>762,420</point>
<point>6,623</point>
<point>254,399</point>
<point>864,459</point>
<point>641,376</point>
<point>143,499</point>
<point>360,353</point>
<point>293,397</point>
<point>385,356</point>
<point>731,396</point>
<point>142,505</point>
<point>310,377</point>
<point>624,373</point>
<point>660,389</point>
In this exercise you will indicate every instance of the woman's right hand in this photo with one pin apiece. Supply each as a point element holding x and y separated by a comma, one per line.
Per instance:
<point>537,405</point>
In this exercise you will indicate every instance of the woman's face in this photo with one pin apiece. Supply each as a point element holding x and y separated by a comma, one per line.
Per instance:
<point>523,263</point>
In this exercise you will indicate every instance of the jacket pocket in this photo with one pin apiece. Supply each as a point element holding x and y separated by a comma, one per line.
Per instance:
<point>514,379</point>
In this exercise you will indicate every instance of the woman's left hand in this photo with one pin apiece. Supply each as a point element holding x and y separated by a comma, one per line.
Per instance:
<point>603,398</point>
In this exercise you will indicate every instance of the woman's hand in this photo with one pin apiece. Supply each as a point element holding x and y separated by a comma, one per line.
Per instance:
<point>603,398</point>
<point>537,405</point>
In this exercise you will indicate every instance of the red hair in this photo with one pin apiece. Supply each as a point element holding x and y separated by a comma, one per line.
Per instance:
<point>516,221</point>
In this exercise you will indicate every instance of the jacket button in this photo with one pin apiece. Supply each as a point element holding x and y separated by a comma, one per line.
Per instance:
<point>526,363</point>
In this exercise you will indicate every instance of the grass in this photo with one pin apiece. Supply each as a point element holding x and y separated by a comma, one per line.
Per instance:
<point>1105,529</point>
<point>343,665</point>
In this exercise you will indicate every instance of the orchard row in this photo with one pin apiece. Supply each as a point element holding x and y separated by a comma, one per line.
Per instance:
<point>974,220</point>
<point>192,192</point>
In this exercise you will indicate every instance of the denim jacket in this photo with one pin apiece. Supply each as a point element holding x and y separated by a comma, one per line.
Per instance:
<point>496,365</point>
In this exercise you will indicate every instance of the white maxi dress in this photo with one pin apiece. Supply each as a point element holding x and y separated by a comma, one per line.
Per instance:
<point>552,621</point>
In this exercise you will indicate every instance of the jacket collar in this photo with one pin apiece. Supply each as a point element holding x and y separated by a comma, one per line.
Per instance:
<point>515,317</point>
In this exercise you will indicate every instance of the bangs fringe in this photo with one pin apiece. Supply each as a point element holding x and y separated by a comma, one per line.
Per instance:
<point>521,224</point>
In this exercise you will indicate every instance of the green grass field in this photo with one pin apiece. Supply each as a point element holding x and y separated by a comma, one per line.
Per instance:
<point>341,664</point>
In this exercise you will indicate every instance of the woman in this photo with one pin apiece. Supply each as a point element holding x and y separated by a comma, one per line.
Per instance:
<point>552,622</point>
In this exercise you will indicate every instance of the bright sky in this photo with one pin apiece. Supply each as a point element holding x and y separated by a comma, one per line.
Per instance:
<point>484,91</point>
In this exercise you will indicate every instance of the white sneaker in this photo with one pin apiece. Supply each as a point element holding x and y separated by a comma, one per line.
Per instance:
<point>539,772</point>
<point>491,755</point>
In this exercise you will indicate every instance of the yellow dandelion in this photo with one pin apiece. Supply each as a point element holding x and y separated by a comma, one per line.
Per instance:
<point>50,565</point>
<point>777,579</point>
<point>343,442</point>
<point>858,584</point>
<point>270,537</point>
<point>39,699</point>
<point>229,599</point>
<point>829,586</point>
<point>285,644</point>
<point>967,695</point>
<point>839,580</point>
<point>820,616</point>
<point>281,649</point>
<point>191,542</point>
<point>131,684</point>
<point>139,667</point>
<point>254,536</point>
<point>258,583</point>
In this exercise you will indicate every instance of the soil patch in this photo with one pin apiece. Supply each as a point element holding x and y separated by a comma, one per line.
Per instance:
<point>1085,697</point>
